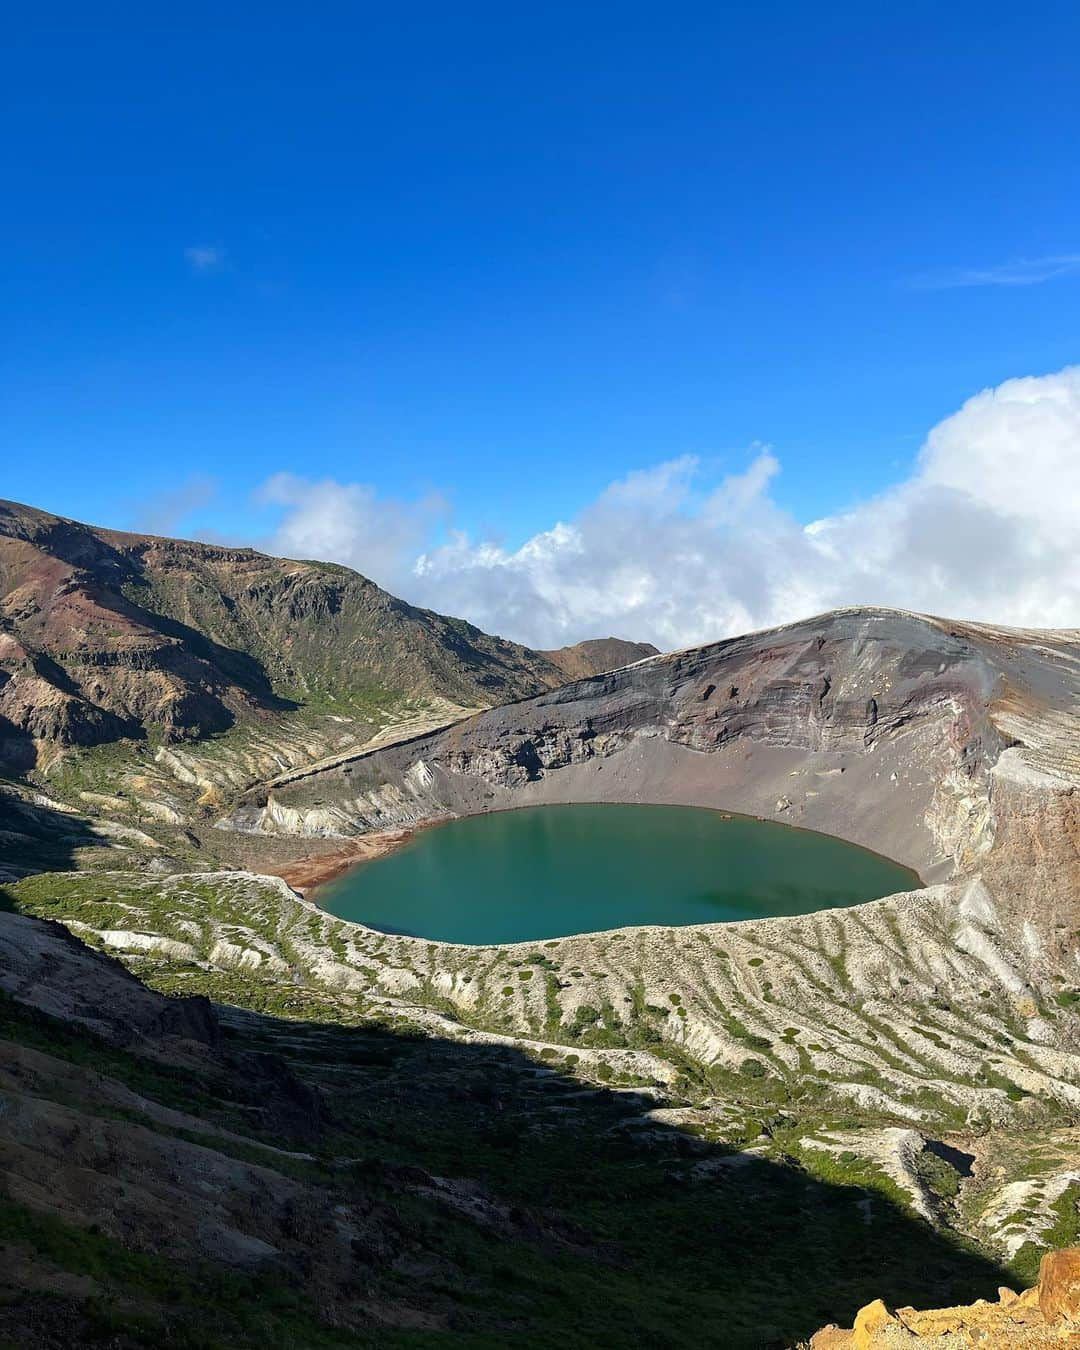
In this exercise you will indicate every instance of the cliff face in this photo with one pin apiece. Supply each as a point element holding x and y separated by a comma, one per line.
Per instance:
<point>106,635</point>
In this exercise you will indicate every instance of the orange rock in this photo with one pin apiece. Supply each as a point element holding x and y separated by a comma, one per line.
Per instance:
<point>868,1321</point>
<point>1059,1286</point>
<point>1006,1297</point>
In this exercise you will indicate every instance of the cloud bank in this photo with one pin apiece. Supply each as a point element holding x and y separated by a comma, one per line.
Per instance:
<point>986,527</point>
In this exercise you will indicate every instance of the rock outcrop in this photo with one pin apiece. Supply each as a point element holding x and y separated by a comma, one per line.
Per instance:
<point>43,966</point>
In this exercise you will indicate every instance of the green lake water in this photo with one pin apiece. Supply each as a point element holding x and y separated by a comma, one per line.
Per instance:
<point>549,871</point>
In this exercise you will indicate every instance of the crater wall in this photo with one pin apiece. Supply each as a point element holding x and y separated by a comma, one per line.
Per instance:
<point>923,739</point>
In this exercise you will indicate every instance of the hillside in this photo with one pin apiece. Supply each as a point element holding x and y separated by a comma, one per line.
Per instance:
<point>105,635</point>
<point>177,1174</point>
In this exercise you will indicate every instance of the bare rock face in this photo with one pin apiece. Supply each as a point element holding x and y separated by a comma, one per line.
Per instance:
<point>45,967</point>
<point>870,1322</point>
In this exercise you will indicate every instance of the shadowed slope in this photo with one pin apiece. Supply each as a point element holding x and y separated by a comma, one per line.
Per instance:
<point>168,1181</point>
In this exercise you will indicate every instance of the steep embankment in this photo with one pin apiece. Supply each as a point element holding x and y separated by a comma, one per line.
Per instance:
<point>167,1181</point>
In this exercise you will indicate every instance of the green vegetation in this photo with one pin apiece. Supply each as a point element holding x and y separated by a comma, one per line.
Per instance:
<point>1063,1231</point>
<point>670,1264</point>
<point>940,1176</point>
<point>249,944</point>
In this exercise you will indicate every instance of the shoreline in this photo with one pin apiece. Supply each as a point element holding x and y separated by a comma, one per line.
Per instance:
<point>308,875</point>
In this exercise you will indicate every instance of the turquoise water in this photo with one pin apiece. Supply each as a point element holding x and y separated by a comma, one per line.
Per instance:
<point>549,871</point>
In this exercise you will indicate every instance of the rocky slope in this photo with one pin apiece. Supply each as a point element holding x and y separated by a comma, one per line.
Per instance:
<point>105,635</point>
<point>918,737</point>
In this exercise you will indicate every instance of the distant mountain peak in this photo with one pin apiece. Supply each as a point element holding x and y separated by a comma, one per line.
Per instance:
<point>596,655</point>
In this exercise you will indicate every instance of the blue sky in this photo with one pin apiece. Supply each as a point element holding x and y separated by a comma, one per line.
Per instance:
<point>511,254</point>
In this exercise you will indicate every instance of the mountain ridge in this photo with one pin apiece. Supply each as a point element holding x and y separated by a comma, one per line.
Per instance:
<point>108,635</point>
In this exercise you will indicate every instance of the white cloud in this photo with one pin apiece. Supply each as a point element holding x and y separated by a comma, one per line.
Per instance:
<point>204,257</point>
<point>986,527</point>
<point>1022,272</point>
<point>348,523</point>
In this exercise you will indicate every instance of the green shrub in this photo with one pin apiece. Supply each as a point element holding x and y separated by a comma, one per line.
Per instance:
<point>940,1176</point>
